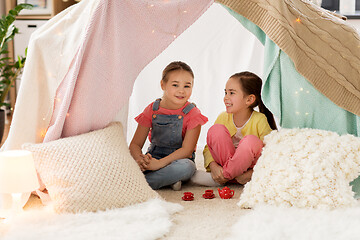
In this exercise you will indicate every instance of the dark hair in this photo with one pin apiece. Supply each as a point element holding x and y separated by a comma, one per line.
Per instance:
<point>173,66</point>
<point>250,83</point>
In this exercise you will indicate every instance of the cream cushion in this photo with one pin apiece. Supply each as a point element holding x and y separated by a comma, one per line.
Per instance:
<point>305,168</point>
<point>90,172</point>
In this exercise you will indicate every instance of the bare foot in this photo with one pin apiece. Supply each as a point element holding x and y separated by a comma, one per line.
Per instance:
<point>245,177</point>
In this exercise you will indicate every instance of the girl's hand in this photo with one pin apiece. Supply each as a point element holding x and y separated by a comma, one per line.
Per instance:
<point>136,145</point>
<point>143,161</point>
<point>154,164</point>
<point>217,173</point>
<point>245,177</point>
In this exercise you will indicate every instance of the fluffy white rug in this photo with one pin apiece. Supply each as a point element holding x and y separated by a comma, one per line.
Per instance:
<point>149,220</point>
<point>269,222</point>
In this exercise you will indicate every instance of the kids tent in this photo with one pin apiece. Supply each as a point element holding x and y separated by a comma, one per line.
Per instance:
<point>83,63</point>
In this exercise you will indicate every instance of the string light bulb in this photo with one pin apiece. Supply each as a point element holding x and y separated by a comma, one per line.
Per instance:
<point>43,133</point>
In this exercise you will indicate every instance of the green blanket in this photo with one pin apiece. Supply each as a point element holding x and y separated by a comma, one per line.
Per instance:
<point>293,100</point>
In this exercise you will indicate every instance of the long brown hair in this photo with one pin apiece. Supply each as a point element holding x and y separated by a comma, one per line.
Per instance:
<point>173,66</point>
<point>250,83</point>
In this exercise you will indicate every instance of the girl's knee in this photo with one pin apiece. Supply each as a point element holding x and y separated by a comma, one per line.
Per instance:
<point>253,140</point>
<point>153,181</point>
<point>179,170</point>
<point>184,169</point>
<point>253,144</point>
<point>188,168</point>
<point>217,131</point>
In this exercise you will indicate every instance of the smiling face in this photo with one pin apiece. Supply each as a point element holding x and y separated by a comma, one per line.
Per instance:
<point>235,99</point>
<point>177,89</point>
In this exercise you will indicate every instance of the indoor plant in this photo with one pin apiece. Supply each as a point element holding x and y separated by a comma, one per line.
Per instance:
<point>9,69</point>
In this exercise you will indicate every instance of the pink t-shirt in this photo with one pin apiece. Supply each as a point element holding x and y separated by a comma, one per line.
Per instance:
<point>190,120</point>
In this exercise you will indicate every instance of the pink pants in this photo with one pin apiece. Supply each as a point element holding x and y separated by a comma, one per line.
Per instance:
<point>234,161</point>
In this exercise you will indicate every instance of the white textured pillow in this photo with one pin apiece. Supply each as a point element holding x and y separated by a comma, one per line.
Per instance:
<point>305,168</point>
<point>90,172</point>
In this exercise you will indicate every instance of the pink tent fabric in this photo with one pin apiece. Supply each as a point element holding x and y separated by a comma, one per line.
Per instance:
<point>122,37</point>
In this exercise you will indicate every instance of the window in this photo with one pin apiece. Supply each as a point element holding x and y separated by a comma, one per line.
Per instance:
<point>330,4</point>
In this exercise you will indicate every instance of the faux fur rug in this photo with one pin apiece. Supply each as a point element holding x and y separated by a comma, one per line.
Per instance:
<point>149,220</point>
<point>177,220</point>
<point>265,223</point>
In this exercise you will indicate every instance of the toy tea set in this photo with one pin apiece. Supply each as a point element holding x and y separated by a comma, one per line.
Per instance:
<point>225,193</point>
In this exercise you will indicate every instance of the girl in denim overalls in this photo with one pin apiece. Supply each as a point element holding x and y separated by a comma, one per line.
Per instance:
<point>173,126</point>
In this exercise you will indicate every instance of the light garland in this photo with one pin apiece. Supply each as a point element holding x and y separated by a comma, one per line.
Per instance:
<point>297,94</point>
<point>151,5</point>
<point>43,133</point>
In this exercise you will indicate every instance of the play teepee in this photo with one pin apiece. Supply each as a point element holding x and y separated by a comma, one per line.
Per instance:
<point>107,43</point>
<point>83,63</point>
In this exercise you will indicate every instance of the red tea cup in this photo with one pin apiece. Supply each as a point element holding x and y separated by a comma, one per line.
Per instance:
<point>188,195</point>
<point>208,193</point>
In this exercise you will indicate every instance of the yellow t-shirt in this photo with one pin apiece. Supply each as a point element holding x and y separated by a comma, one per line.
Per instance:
<point>257,125</point>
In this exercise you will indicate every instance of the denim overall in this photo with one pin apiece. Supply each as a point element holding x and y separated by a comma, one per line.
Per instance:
<point>166,137</point>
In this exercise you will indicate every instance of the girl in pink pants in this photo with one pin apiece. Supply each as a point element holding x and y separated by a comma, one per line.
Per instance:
<point>234,161</point>
<point>235,141</point>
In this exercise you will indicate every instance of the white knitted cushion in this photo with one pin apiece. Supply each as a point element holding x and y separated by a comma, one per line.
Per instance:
<point>90,172</point>
<point>304,168</point>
